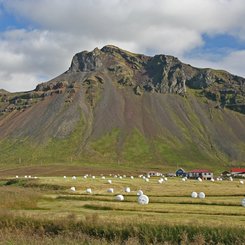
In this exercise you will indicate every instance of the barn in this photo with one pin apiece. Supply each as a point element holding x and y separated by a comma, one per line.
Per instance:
<point>180,172</point>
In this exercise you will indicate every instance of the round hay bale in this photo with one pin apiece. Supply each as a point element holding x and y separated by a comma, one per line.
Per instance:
<point>147,180</point>
<point>212,180</point>
<point>243,202</point>
<point>103,177</point>
<point>183,179</point>
<point>85,176</point>
<point>165,179</point>
<point>119,198</point>
<point>160,181</point>
<point>89,190</point>
<point>109,181</point>
<point>74,177</point>
<point>241,182</point>
<point>199,179</point>
<point>124,176</point>
<point>93,177</point>
<point>231,179</point>
<point>143,199</point>
<point>201,195</point>
<point>194,194</point>
<point>64,177</point>
<point>139,193</point>
<point>127,189</point>
<point>73,188</point>
<point>132,177</point>
<point>120,177</point>
<point>16,176</point>
<point>110,190</point>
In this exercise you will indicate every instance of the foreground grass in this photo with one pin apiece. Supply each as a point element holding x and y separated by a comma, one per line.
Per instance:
<point>45,211</point>
<point>90,231</point>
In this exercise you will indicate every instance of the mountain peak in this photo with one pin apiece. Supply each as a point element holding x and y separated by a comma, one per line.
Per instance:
<point>159,74</point>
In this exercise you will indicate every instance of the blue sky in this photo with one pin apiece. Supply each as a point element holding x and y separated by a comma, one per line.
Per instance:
<point>39,38</point>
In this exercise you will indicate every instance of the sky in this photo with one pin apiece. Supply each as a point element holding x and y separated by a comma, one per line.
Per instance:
<point>38,38</point>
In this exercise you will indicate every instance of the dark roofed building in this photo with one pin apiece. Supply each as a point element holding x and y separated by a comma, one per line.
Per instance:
<point>180,172</point>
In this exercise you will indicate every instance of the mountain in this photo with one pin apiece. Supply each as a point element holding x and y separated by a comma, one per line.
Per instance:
<point>114,106</point>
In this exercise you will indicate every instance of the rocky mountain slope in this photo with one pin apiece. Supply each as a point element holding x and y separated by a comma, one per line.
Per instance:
<point>115,106</point>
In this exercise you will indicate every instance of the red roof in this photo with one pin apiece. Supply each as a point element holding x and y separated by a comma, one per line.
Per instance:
<point>199,171</point>
<point>238,170</point>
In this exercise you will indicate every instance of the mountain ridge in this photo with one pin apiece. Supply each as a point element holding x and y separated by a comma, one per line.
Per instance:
<point>113,105</point>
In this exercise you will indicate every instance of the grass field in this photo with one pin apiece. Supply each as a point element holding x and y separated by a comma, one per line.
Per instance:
<point>46,211</point>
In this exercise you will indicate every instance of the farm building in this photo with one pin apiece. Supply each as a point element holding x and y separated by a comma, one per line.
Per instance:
<point>154,173</point>
<point>238,172</point>
<point>200,173</point>
<point>226,173</point>
<point>180,172</point>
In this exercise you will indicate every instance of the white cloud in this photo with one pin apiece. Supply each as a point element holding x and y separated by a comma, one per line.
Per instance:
<point>234,62</point>
<point>18,81</point>
<point>62,28</point>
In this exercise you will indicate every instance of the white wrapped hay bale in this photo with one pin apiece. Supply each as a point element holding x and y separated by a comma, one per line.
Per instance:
<point>120,177</point>
<point>103,177</point>
<point>159,181</point>
<point>147,180</point>
<point>85,176</point>
<point>127,189</point>
<point>201,195</point>
<point>64,177</point>
<point>73,188</point>
<point>93,177</point>
<point>124,176</point>
<point>132,177</point>
<point>89,190</point>
<point>241,182</point>
<point>183,179</point>
<point>139,193</point>
<point>119,198</point>
<point>194,194</point>
<point>212,180</point>
<point>143,199</point>
<point>165,179</point>
<point>231,179</point>
<point>74,177</point>
<point>199,179</point>
<point>25,176</point>
<point>243,202</point>
<point>16,176</point>
<point>109,181</point>
<point>110,190</point>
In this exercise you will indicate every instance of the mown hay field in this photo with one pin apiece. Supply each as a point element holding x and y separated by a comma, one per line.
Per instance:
<point>171,210</point>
